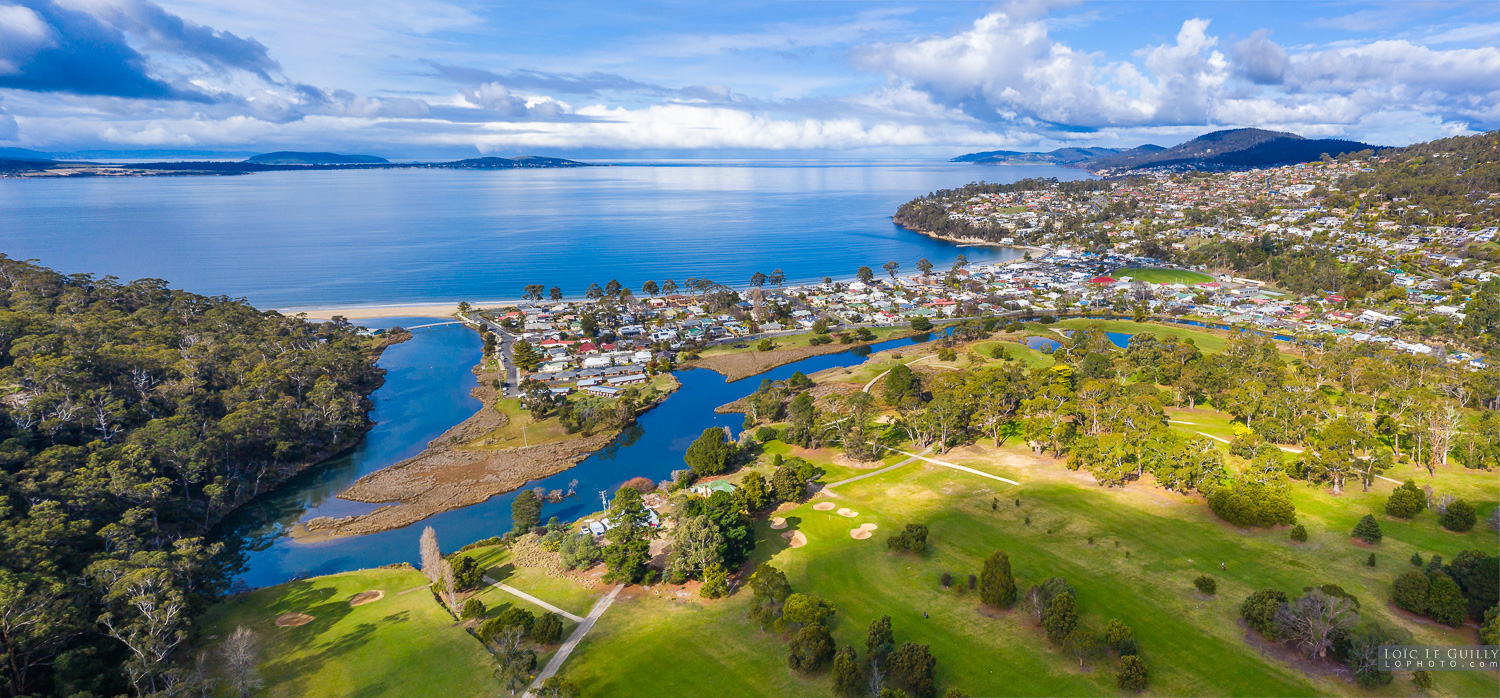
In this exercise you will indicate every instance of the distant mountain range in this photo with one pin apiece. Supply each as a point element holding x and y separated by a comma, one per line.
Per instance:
<point>1232,149</point>
<point>32,163</point>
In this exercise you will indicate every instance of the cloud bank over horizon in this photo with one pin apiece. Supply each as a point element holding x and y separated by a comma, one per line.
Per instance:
<point>428,76</point>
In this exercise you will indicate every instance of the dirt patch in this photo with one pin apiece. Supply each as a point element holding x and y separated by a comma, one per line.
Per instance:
<point>778,523</point>
<point>1361,543</point>
<point>1291,657</point>
<point>863,532</point>
<point>748,363</point>
<point>796,538</point>
<point>847,462</point>
<point>292,620</point>
<point>825,506</point>
<point>365,597</point>
<point>847,513</point>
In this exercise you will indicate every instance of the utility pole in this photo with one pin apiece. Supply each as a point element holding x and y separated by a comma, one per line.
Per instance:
<point>604,498</point>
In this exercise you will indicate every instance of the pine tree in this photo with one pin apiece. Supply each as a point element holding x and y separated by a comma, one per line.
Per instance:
<point>1060,618</point>
<point>997,587</point>
<point>847,679</point>
<point>1367,530</point>
<point>1133,675</point>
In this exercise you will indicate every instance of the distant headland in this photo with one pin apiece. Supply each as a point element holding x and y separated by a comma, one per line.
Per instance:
<point>1233,149</point>
<point>17,162</point>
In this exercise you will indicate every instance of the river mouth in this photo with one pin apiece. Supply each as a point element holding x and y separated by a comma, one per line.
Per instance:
<point>426,392</point>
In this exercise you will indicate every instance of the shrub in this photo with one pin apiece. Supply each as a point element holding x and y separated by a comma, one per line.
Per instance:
<point>1367,530</point>
<point>765,434</point>
<point>1406,501</point>
<point>1370,562</point>
<point>467,574</point>
<point>913,539</point>
<point>1458,517</point>
<point>580,552</point>
<point>1416,560</point>
<point>1259,611</point>
<point>803,609</point>
<point>473,608</point>
<point>921,324</point>
<point>1489,630</point>
<point>1206,584</point>
<point>547,630</point>
<point>640,484</point>
<point>1299,533</point>
<point>997,587</point>
<point>1421,679</point>
<point>715,582</point>
<point>1133,675</point>
<point>1252,504</point>
<point>946,580</point>
<point>1409,591</point>
<point>810,649</point>
<point>973,581</point>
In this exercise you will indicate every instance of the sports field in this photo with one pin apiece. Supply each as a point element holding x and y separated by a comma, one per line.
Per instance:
<point>1157,275</point>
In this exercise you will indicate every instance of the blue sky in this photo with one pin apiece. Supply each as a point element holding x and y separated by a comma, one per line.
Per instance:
<point>420,78</point>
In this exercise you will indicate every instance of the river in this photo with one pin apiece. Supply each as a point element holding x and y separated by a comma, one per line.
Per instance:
<point>425,393</point>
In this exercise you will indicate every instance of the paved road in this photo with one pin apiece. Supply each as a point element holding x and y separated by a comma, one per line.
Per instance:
<point>573,639</point>
<point>504,352</point>
<point>517,592</point>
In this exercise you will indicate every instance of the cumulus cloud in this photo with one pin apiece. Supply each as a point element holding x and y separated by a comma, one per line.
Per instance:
<point>163,31</point>
<point>1259,59</point>
<point>45,47</point>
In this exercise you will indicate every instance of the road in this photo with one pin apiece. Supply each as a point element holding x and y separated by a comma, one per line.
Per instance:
<point>504,353</point>
<point>517,592</point>
<point>873,473</point>
<point>573,639</point>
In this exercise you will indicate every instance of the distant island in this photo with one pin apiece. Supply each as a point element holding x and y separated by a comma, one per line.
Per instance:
<point>20,162</point>
<point>1232,149</point>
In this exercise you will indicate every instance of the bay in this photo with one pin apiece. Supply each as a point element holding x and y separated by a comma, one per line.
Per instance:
<point>351,238</point>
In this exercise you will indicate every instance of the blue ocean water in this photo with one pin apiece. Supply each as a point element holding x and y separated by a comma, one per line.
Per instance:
<point>350,238</point>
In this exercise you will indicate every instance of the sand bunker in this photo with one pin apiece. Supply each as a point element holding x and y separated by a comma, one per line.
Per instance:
<point>797,539</point>
<point>850,513</point>
<point>778,523</point>
<point>862,532</point>
<point>365,597</point>
<point>824,506</point>
<point>292,620</point>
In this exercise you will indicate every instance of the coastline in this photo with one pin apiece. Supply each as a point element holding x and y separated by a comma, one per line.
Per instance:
<point>971,240</point>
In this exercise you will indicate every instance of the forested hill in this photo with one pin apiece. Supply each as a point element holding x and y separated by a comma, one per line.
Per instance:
<point>133,417</point>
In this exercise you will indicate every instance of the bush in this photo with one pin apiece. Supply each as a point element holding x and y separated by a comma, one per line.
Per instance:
<point>1416,559</point>
<point>547,630</point>
<point>765,434</point>
<point>467,574</point>
<point>946,580</point>
<point>1259,611</point>
<point>1445,601</point>
<point>921,324</point>
<point>1406,501</point>
<point>473,608</point>
<point>1133,675</point>
<point>1370,562</point>
<point>997,587</point>
<point>1489,630</point>
<point>1299,533</point>
<point>1421,679</point>
<point>1409,591</point>
<point>1060,618</point>
<point>580,552</point>
<point>1459,516</point>
<point>642,485</point>
<point>1252,504</point>
<point>715,582</point>
<point>1367,530</point>
<point>1206,584</point>
<point>810,649</point>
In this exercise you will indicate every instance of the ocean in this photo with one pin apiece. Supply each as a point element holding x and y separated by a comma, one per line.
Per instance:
<point>353,238</point>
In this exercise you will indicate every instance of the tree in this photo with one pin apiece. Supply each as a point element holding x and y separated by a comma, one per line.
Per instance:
<point>696,545</point>
<point>1082,643</point>
<point>913,668</point>
<point>1314,620</point>
<point>547,629</point>
<point>768,584</point>
<point>997,587</point>
<point>879,640</point>
<point>526,356</point>
<point>921,324</point>
<point>865,275</point>
<point>715,582</point>
<point>241,655</point>
<point>1206,584</point>
<point>613,288</point>
<point>1422,680</point>
<point>777,277</point>
<point>1119,637</point>
<point>757,279</point>
<point>1259,611</point>
<point>754,492</point>
<point>805,609</point>
<point>891,268</point>
<point>1132,675</point>
<point>1368,529</point>
<point>1410,591</point>
<point>1445,601</point>
<point>1060,618</point>
<point>558,687</point>
<point>1458,516</point>
<point>533,292</point>
<point>1478,575</point>
<point>900,383</point>
<point>847,679</point>
<point>555,293</point>
<point>1363,653</point>
<point>924,266</point>
<point>579,552</point>
<point>467,573</point>
<point>473,608</point>
<point>913,539</point>
<point>594,292</point>
<point>630,547</point>
<point>431,555</point>
<point>710,453</point>
<point>525,512</point>
<point>1406,501</point>
<point>810,649</point>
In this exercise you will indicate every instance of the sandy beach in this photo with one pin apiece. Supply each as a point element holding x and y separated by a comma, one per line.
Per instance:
<point>376,311</point>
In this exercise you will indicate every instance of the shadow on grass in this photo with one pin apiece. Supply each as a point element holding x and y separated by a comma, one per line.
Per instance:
<point>502,573</point>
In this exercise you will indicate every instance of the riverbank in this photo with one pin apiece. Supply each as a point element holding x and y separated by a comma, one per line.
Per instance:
<point>739,364</point>
<point>376,312</point>
<point>461,468</point>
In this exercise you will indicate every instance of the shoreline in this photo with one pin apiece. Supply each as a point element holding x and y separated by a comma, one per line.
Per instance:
<point>971,240</point>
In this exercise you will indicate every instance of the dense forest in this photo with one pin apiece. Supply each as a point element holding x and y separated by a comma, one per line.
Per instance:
<point>132,418</point>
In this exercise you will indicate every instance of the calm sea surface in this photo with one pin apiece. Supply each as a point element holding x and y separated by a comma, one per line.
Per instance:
<point>350,238</point>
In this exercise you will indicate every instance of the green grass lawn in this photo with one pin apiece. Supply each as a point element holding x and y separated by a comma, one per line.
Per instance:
<point>401,645</point>
<point>794,341</point>
<point>1205,341</point>
<point>1147,547</point>
<point>563,593</point>
<point>1156,275</point>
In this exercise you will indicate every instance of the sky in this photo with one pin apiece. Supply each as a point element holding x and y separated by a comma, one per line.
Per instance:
<point>425,78</point>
